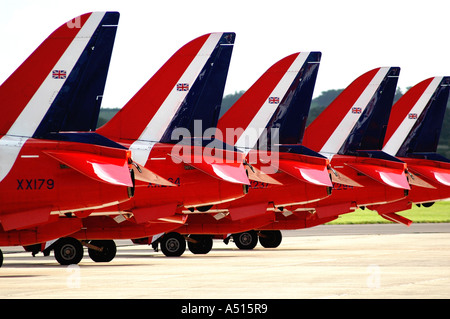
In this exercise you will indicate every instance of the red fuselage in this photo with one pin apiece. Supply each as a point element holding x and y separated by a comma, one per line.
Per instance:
<point>320,209</point>
<point>38,189</point>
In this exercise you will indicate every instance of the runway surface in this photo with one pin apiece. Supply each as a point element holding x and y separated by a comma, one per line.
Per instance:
<point>348,261</point>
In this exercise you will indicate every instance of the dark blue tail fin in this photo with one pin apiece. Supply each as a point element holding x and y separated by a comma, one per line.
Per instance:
<point>204,99</point>
<point>370,129</point>
<point>425,115</point>
<point>77,105</point>
<point>292,113</point>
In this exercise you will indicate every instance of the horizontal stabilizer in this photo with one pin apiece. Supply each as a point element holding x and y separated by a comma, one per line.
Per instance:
<point>310,173</point>
<point>241,212</point>
<point>393,217</point>
<point>143,174</point>
<point>255,174</point>
<point>233,172</point>
<point>305,165</point>
<point>415,180</point>
<point>107,169</point>
<point>339,178</point>
<point>389,176</point>
<point>25,219</point>
<point>436,174</point>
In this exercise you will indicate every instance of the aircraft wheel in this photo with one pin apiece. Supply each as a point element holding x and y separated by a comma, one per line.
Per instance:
<point>68,251</point>
<point>173,244</point>
<point>200,244</point>
<point>246,240</point>
<point>107,252</point>
<point>1,258</point>
<point>270,238</point>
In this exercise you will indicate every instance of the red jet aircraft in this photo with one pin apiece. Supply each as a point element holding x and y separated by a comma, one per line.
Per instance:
<point>350,132</point>
<point>412,136</point>
<point>176,166</point>
<point>277,104</point>
<point>46,177</point>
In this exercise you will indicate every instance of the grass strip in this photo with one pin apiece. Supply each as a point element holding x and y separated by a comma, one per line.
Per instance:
<point>438,213</point>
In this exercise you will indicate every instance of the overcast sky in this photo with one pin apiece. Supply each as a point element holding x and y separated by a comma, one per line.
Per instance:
<point>353,36</point>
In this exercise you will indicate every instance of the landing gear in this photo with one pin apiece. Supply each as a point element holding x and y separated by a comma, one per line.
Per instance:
<point>173,244</point>
<point>68,251</point>
<point>200,244</point>
<point>270,238</point>
<point>246,240</point>
<point>102,250</point>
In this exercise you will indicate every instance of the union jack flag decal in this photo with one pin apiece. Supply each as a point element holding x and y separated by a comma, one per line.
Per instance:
<point>59,74</point>
<point>412,116</point>
<point>182,87</point>
<point>356,110</point>
<point>274,100</point>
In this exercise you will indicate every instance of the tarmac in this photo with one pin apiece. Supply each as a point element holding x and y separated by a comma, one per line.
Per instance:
<point>325,262</point>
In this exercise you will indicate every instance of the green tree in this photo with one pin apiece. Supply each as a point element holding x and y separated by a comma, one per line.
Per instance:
<point>229,100</point>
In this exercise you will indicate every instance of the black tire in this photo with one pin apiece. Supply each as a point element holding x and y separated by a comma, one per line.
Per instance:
<point>173,244</point>
<point>246,240</point>
<point>201,244</point>
<point>1,258</point>
<point>108,252</point>
<point>68,251</point>
<point>270,238</point>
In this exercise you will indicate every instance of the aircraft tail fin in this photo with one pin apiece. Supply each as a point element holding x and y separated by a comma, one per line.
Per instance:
<point>357,118</point>
<point>60,85</point>
<point>280,98</point>
<point>188,87</point>
<point>416,119</point>
<point>289,120</point>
